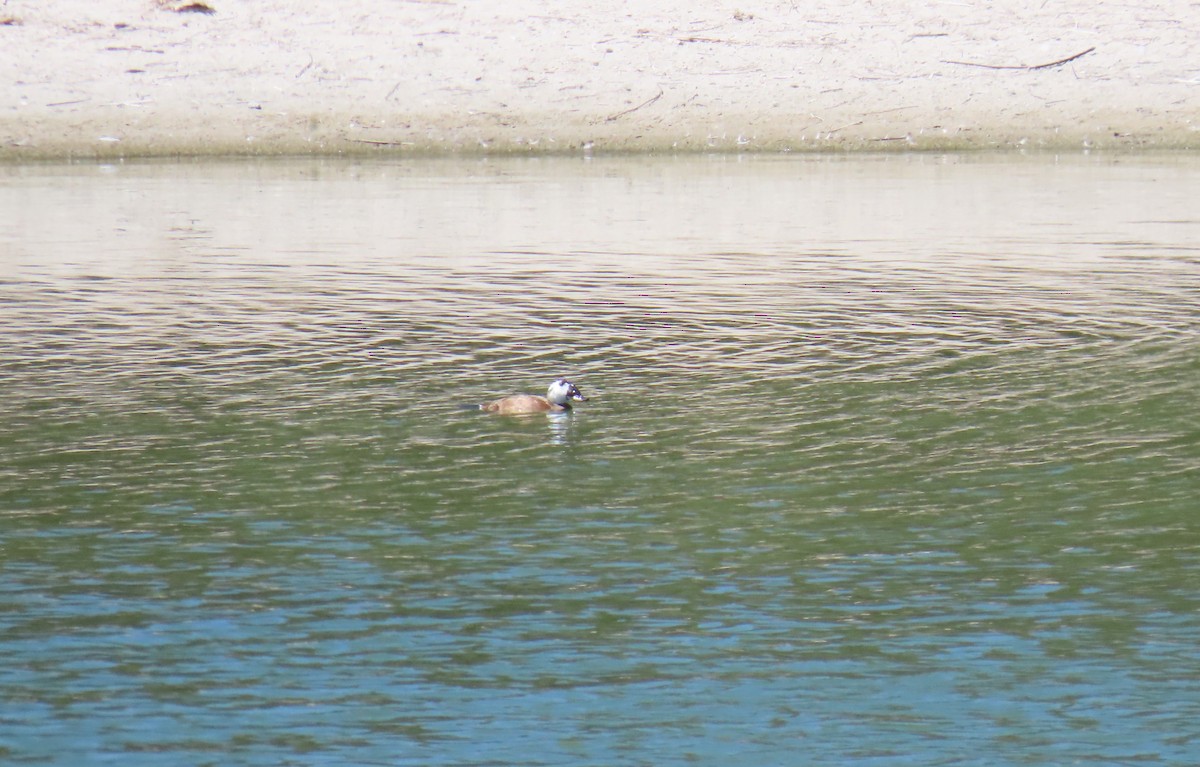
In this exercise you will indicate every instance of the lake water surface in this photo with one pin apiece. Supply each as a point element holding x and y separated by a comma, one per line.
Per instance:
<point>888,461</point>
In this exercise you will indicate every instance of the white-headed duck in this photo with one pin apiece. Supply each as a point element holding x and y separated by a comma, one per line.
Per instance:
<point>557,400</point>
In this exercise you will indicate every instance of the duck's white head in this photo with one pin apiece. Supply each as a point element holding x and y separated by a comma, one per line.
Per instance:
<point>562,391</point>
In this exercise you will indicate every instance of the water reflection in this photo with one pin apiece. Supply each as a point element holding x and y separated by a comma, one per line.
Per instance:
<point>560,427</point>
<point>887,458</point>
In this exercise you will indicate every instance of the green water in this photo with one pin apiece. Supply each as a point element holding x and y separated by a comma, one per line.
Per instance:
<point>886,461</point>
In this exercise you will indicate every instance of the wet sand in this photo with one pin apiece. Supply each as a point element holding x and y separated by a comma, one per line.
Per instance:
<point>89,79</point>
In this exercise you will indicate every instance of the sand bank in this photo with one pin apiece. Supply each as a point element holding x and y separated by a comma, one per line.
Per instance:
<point>85,78</point>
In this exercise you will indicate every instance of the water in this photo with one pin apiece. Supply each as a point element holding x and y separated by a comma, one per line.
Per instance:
<point>887,461</point>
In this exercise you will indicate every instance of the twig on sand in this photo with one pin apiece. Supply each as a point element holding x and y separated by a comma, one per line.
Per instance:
<point>893,109</point>
<point>379,143</point>
<point>1022,66</point>
<point>645,103</point>
<point>305,68</point>
<point>843,127</point>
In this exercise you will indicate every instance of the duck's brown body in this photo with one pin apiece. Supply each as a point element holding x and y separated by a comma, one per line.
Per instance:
<point>557,400</point>
<point>523,403</point>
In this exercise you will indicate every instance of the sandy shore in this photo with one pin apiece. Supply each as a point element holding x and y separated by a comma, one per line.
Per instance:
<point>85,78</point>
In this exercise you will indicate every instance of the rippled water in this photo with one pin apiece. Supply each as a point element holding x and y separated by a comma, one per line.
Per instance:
<point>887,461</point>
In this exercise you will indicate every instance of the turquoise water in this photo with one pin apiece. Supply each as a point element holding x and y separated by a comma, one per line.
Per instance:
<point>887,461</point>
